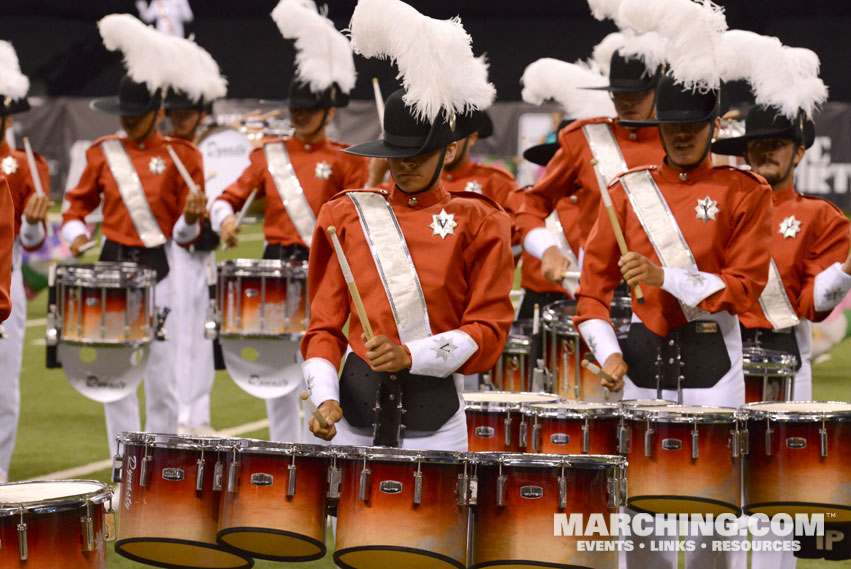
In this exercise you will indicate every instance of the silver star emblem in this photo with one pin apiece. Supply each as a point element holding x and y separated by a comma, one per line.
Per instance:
<point>443,348</point>
<point>443,224</point>
<point>706,209</point>
<point>790,227</point>
<point>834,295</point>
<point>156,165</point>
<point>9,165</point>
<point>695,278</point>
<point>473,186</point>
<point>323,170</point>
<point>592,343</point>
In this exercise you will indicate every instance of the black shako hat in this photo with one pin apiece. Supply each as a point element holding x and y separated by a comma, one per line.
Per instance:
<point>541,154</point>
<point>10,106</point>
<point>406,136</point>
<point>179,100</point>
<point>676,104</point>
<point>475,121</point>
<point>629,76</point>
<point>302,97</point>
<point>133,100</point>
<point>767,122</point>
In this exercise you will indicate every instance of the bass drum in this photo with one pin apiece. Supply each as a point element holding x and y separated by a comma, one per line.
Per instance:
<point>225,153</point>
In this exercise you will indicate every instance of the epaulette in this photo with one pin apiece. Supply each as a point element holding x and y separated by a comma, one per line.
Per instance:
<point>578,124</point>
<point>384,193</point>
<point>749,173</point>
<point>106,137</point>
<point>617,178</point>
<point>816,200</point>
<point>492,168</point>
<point>476,195</point>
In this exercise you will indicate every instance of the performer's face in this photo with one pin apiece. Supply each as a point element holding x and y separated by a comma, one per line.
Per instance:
<point>685,144</point>
<point>413,174</point>
<point>307,122</point>
<point>185,121</point>
<point>141,127</point>
<point>634,106</point>
<point>769,157</point>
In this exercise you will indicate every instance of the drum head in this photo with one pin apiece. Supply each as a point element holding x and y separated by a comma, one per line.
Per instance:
<point>104,373</point>
<point>497,398</point>
<point>180,554</point>
<point>682,413</point>
<point>271,544</point>
<point>796,410</point>
<point>264,368</point>
<point>391,557</point>
<point>572,409</point>
<point>51,492</point>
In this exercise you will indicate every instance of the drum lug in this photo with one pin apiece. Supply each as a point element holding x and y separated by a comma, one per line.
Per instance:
<point>562,491</point>
<point>695,443</point>
<point>648,441</point>
<point>365,479</point>
<point>291,480</point>
<point>501,483</point>
<point>199,476</point>
<point>159,326</point>
<point>418,487</point>
<point>508,430</point>
<point>117,462</point>
<point>233,474</point>
<point>744,438</point>
<point>523,434</point>
<point>536,437</point>
<point>23,549</point>
<point>586,437</point>
<point>614,492</point>
<point>823,439</point>
<point>88,530</point>
<point>623,438</point>
<point>218,475</point>
<point>333,482</point>
<point>735,443</point>
<point>143,470</point>
<point>109,523</point>
<point>462,490</point>
<point>768,439</point>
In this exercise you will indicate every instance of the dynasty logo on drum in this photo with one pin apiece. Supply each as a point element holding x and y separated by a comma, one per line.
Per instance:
<point>128,482</point>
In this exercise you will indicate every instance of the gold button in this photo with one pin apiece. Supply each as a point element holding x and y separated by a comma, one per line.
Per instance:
<point>413,201</point>
<point>632,136</point>
<point>307,147</point>
<point>683,176</point>
<point>449,176</point>
<point>593,161</point>
<point>573,199</point>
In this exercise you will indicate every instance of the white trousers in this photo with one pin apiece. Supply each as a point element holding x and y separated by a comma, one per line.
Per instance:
<point>11,353</point>
<point>194,367</point>
<point>160,386</point>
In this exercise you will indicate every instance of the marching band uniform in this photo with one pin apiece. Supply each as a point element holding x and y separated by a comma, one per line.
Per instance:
<point>7,243</point>
<point>165,193</point>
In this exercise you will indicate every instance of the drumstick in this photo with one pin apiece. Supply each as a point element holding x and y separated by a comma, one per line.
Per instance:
<point>241,215</point>
<point>596,370</point>
<point>379,101</point>
<point>320,418</point>
<point>268,115</point>
<point>248,115</point>
<point>610,209</point>
<point>536,319</point>
<point>87,245</point>
<point>350,280</point>
<point>184,173</point>
<point>39,190</point>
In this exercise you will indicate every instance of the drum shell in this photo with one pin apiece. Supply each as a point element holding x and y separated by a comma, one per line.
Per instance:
<point>267,507</point>
<point>709,484</point>
<point>769,375</point>
<point>522,529</point>
<point>438,525</point>
<point>799,480</point>
<point>564,435</point>
<point>513,370</point>
<point>486,430</point>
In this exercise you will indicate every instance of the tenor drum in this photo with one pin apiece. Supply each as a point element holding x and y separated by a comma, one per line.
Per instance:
<point>495,421</point>
<point>274,503</point>
<point>796,460</point>
<point>518,497</point>
<point>169,510</point>
<point>564,350</point>
<point>683,460</point>
<point>573,427</point>
<point>401,508</point>
<point>769,375</point>
<point>262,298</point>
<point>513,371</point>
<point>57,523</point>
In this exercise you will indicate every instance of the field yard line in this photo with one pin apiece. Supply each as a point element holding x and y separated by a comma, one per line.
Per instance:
<point>36,322</point>
<point>93,467</point>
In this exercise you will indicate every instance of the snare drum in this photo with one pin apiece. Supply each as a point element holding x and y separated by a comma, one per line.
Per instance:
<point>169,510</point>
<point>262,298</point>
<point>573,427</point>
<point>401,508</point>
<point>273,506</point>
<point>513,371</point>
<point>518,496</point>
<point>105,303</point>
<point>564,350</point>
<point>495,421</point>
<point>796,460</point>
<point>683,460</point>
<point>769,374</point>
<point>57,523</point>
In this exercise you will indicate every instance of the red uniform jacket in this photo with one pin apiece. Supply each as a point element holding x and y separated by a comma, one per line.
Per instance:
<point>466,277</point>
<point>736,245</point>
<point>7,242</point>
<point>16,169</point>
<point>322,170</point>
<point>492,181</point>
<point>164,187</point>
<point>823,239</point>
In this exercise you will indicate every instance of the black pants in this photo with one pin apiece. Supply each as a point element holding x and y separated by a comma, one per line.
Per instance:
<point>531,298</point>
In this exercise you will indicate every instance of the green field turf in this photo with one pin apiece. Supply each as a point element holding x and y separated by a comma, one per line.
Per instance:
<point>61,429</point>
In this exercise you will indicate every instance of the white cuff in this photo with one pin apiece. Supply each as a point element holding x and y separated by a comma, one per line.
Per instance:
<point>185,233</point>
<point>539,240</point>
<point>691,286</point>
<point>73,229</point>
<point>440,355</point>
<point>831,286</point>
<point>218,212</point>
<point>601,339</point>
<point>322,380</point>
<point>31,235</point>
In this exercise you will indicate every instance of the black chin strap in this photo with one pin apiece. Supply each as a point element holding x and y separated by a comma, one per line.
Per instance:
<point>434,177</point>
<point>321,124</point>
<point>791,161</point>
<point>151,128</point>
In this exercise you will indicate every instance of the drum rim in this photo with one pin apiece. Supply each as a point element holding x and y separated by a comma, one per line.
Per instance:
<point>545,460</point>
<point>404,455</point>
<point>656,414</point>
<point>259,267</point>
<point>775,363</point>
<point>47,506</point>
<point>222,533</point>
<point>632,403</point>
<point>423,552</point>
<point>94,275</point>
<point>594,410</point>
<point>505,406</point>
<point>152,440</point>
<point>249,562</point>
<point>750,411</point>
<point>277,448</point>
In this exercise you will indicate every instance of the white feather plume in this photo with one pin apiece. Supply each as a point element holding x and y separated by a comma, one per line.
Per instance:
<point>13,83</point>
<point>601,56</point>
<point>604,9</point>
<point>323,54</point>
<point>692,32</point>
<point>145,49</point>
<point>781,77</point>
<point>196,73</point>
<point>649,48</point>
<point>562,81</point>
<point>435,57</point>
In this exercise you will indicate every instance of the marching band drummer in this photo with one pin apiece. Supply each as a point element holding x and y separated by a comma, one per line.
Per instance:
<point>30,213</point>
<point>434,268</point>
<point>137,169</point>
<point>7,243</point>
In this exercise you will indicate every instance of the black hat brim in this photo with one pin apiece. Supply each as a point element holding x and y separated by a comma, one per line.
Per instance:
<point>736,146</point>
<point>685,119</point>
<point>380,149</point>
<point>541,154</point>
<point>113,106</point>
<point>622,88</point>
<point>13,107</point>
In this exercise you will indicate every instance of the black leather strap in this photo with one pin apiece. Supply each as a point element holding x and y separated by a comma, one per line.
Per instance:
<point>150,257</point>
<point>280,252</point>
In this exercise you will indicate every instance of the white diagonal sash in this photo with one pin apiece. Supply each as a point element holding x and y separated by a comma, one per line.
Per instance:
<point>775,303</point>
<point>660,226</point>
<point>395,266</point>
<point>289,189</point>
<point>608,159</point>
<point>132,193</point>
